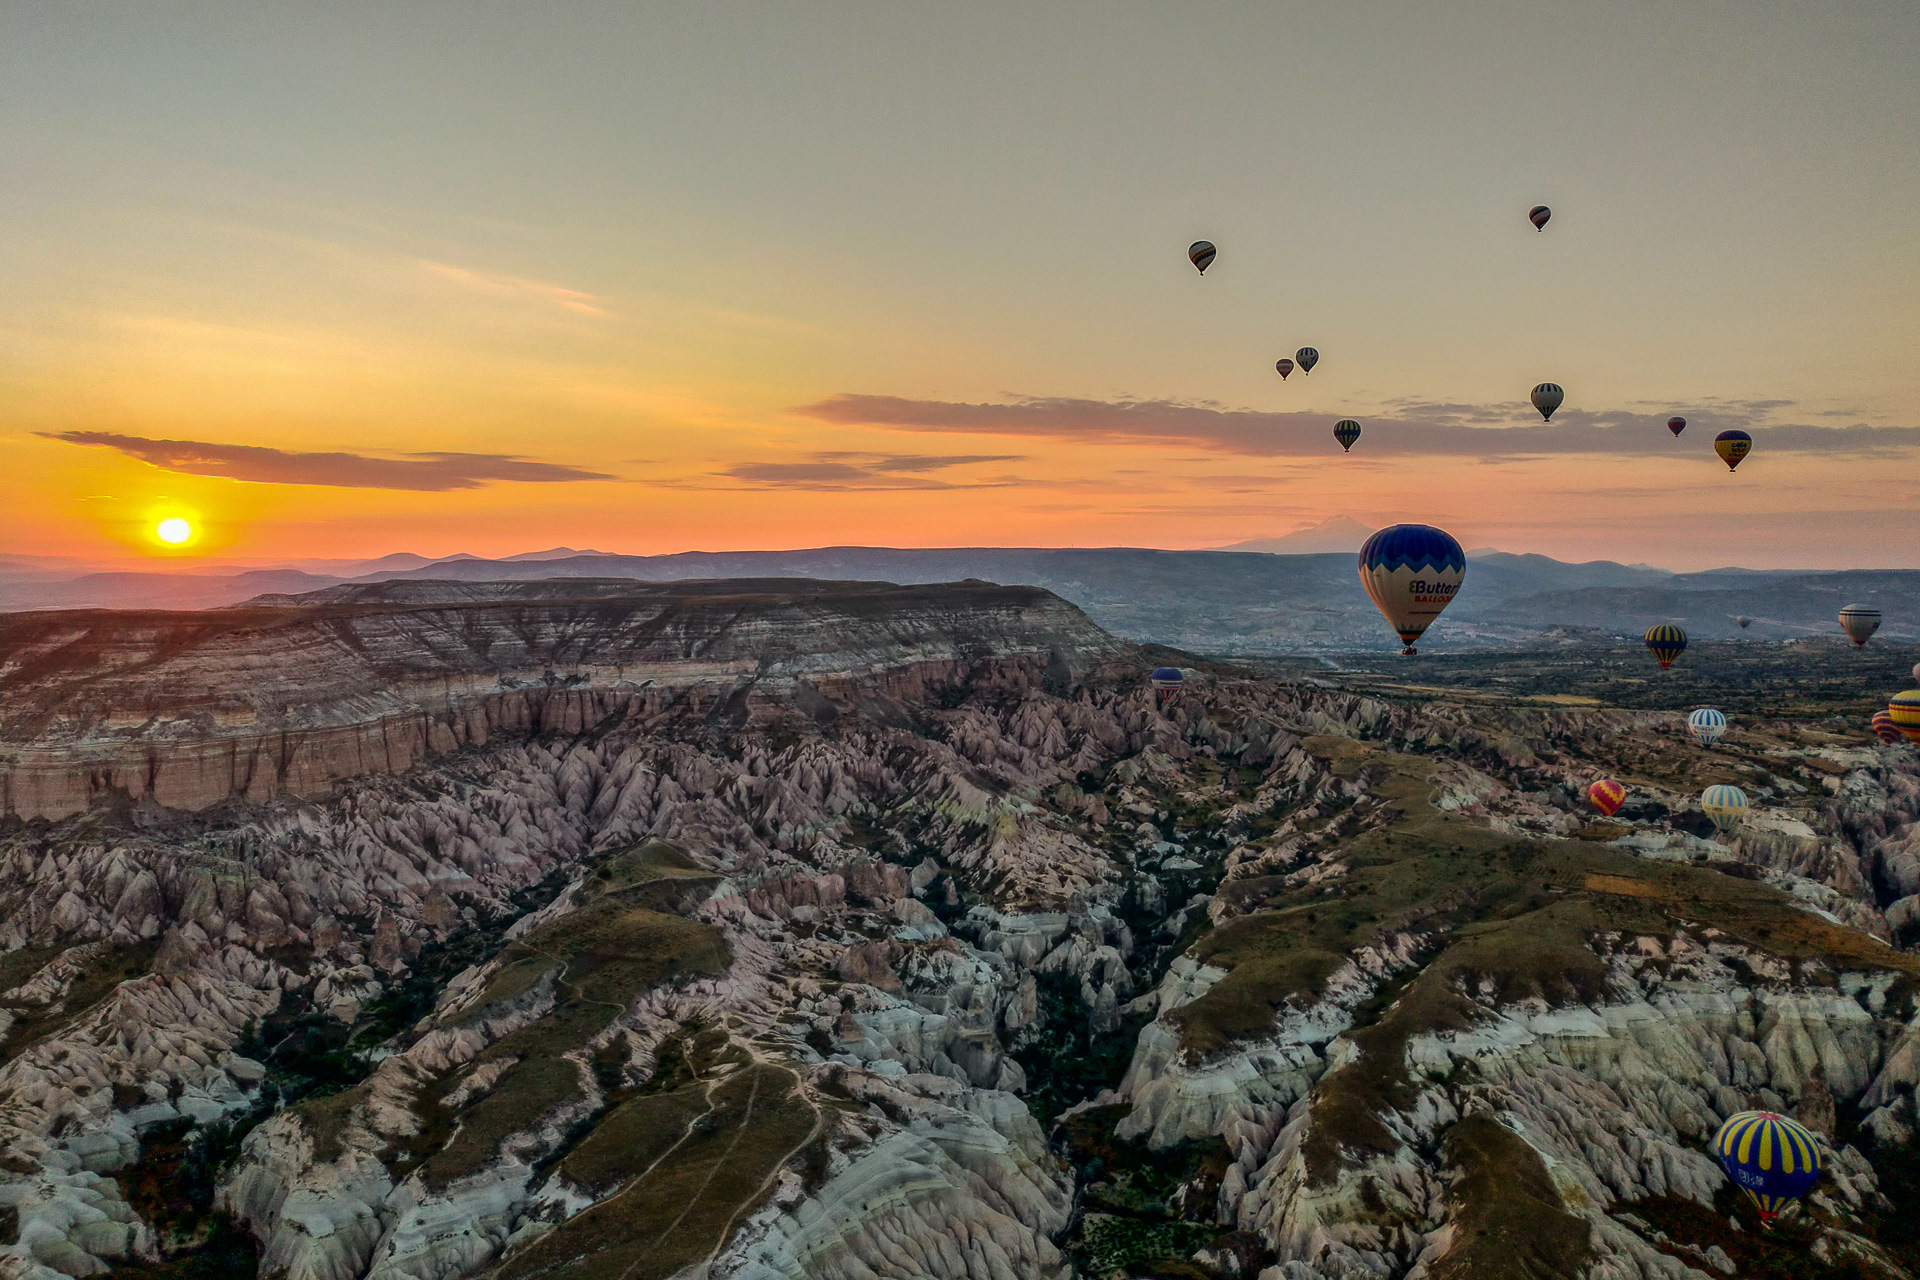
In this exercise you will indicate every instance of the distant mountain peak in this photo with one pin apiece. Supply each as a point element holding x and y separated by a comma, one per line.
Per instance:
<point>556,553</point>
<point>1335,533</point>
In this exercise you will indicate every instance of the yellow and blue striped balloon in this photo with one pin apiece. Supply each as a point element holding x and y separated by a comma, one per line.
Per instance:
<point>1771,1158</point>
<point>1904,710</point>
<point>1666,642</point>
<point>1726,805</point>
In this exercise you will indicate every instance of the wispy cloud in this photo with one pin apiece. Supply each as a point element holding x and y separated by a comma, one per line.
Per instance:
<point>498,285</point>
<point>1408,428</point>
<point>420,472</point>
<point>843,470</point>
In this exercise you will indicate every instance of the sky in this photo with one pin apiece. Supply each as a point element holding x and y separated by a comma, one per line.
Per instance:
<point>343,280</point>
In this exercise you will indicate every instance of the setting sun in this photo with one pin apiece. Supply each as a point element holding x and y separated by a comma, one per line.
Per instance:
<point>173,531</point>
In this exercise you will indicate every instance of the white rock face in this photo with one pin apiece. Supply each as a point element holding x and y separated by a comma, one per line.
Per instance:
<point>966,1188</point>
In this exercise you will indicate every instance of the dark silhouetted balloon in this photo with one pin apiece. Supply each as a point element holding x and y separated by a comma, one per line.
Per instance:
<point>1676,425</point>
<point>1546,398</point>
<point>1538,216</point>
<point>1412,572</point>
<point>1666,642</point>
<point>1308,358</point>
<point>1732,446</point>
<point>1285,366</point>
<point>1200,253</point>
<point>1744,622</point>
<point>1346,431</point>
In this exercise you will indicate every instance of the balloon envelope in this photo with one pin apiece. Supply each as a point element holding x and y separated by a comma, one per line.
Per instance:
<point>1884,728</point>
<point>1285,366</point>
<point>1859,622</point>
<point>1308,358</point>
<point>1200,254</point>
<point>1411,572</point>
<point>1538,216</point>
<point>1743,621</point>
<point>1726,805</point>
<point>1707,725</point>
<point>1546,398</point>
<point>1346,431</point>
<point>1771,1158</point>
<point>1666,642</point>
<point>1607,796</point>
<point>1904,710</point>
<point>1732,446</point>
<point>1676,425</point>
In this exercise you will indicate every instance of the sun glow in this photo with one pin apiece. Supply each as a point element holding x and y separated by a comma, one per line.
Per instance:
<point>173,531</point>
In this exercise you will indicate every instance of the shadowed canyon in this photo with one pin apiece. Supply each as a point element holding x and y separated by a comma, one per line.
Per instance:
<point>778,929</point>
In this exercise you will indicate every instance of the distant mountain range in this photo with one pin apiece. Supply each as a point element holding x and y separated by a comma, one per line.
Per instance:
<point>1226,601</point>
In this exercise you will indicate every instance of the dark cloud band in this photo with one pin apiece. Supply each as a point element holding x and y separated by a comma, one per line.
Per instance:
<point>1440,430</point>
<point>419,472</point>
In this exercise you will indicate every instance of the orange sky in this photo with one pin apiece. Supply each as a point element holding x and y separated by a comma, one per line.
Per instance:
<point>647,248</point>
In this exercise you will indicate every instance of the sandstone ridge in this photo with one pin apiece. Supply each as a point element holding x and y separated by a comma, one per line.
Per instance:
<point>291,694</point>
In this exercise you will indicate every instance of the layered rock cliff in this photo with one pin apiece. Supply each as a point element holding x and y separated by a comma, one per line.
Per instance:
<point>289,696</point>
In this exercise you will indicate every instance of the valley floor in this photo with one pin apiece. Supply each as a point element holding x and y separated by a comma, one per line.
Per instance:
<point>995,969</point>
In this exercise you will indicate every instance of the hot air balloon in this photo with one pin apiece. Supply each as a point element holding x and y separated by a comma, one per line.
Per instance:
<point>1200,253</point>
<point>1666,642</point>
<point>1916,673</point>
<point>1859,622</point>
<point>1308,358</point>
<point>1676,425</point>
<point>1726,805</point>
<point>1771,1158</point>
<point>1732,446</point>
<point>1546,398</point>
<point>1411,572</point>
<point>1904,710</point>
<point>1607,796</point>
<point>1285,366</point>
<point>1346,431</point>
<point>1708,725</point>
<point>1167,682</point>
<point>1538,216</point>
<point>1884,728</point>
<point>1743,620</point>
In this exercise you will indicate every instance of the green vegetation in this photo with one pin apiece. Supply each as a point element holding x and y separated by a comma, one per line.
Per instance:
<point>600,956</point>
<point>1143,1212</point>
<point>1508,1221</point>
<point>104,968</point>
<point>1065,1060</point>
<point>683,1200</point>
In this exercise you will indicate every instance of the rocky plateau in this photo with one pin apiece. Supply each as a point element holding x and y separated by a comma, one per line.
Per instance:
<point>760,930</point>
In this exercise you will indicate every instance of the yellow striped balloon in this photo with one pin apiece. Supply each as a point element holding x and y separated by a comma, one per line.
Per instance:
<point>1771,1158</point>
<point>1666,642</point>
<point>1726,805</point>
<point>1904,711</point>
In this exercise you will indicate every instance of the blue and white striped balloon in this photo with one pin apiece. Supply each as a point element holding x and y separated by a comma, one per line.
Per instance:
<point>1708,726</point>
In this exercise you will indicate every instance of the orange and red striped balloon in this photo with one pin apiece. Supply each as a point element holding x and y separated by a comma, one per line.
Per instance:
<point>1607,796</point>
